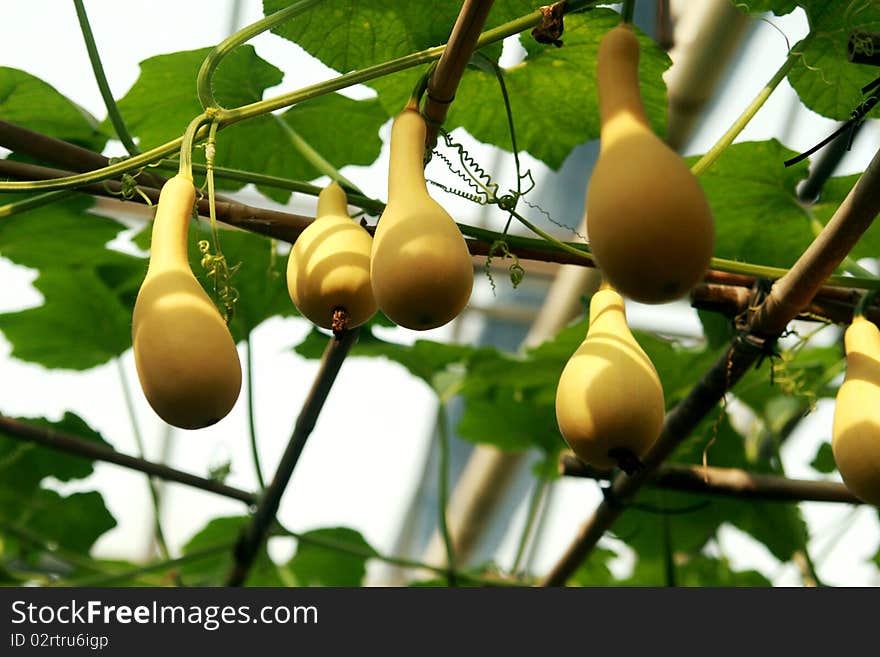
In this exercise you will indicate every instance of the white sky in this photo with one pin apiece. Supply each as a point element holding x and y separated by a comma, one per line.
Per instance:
<point>363,461</point>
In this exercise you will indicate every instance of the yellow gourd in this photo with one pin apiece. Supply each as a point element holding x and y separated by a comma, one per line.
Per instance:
<point>421,269</point>
<point>609,401</point>
<point>648,221</point>
<point>186,359</point>
<point>328,270</point>
<point>855,433</point>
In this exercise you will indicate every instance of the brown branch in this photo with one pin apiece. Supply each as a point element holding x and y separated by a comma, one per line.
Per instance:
<point>727,482</point>
<point>254,534</point>
<point>444,81</point>
<point>71,444</point>
<point>789,296</point>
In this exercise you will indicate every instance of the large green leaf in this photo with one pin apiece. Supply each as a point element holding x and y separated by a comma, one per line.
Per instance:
<point>824,78</point>
<point>80,325</point>
<point>213,568</point>
<point>758,218</point>
<point>163,101</point>
<point>23,465</point>
<point>335,556</point>
<point>60,235</point>
<point>73,522</point>
<point>28,101</point>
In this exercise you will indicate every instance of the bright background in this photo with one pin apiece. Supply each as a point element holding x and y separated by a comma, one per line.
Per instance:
<point>364,462</point>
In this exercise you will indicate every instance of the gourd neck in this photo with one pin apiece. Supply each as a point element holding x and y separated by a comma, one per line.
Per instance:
<point>608,313</point>
<point>618,79</point>
<point>171,225</point>
<point>332,201</point>
<point>862,337</point>
<point>406,173</point>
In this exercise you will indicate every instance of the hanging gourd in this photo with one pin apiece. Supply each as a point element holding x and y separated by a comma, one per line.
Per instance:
<point>421,269</point>
<point>186,359</point>
<point>649,225</point>
<point>609,400</point>
<point>328,270</point>
<point>855,433</point>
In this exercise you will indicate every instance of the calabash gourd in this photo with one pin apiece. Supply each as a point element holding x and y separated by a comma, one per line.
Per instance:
<point>609,401</point>
<point>185,356</point>
<point>648,221</point>
<point>855,433</point>
<point>328,269</point>
<point>421,270</point>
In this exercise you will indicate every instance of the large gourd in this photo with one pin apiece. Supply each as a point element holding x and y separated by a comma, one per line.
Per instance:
<point>186,359</point>
<point>648,221</point>
<point>421,269</point>
<point>855,431</point>
<point>328,271</point>
<point>609,401</point>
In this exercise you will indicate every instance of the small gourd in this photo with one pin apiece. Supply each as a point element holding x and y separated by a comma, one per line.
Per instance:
<point>421,270</point>
<point>186,359</point>
<point>649,224</point>
<point>328,270</point>
<point>609,401</point>
<point>855,433</point>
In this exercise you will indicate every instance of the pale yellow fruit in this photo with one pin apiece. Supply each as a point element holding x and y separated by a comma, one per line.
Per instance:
<point>185,356</point>
<point>648,221</point>
<point>421,270</point>
<point>855,433</point>
<point>329,265</point>
<point>609,396</point>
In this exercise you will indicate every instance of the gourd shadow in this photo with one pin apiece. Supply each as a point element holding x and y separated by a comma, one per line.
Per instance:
<point>862,367</point>
<point>326,231</point>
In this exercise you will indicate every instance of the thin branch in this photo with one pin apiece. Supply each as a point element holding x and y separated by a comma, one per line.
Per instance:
<point>101,78</point>
<point>443,493</point>
<point>725,482</point>
<point>252,424</point>
<point>787,298</point>
<point>71,444</point>
<point>254,534</point>
<point>451,66</point>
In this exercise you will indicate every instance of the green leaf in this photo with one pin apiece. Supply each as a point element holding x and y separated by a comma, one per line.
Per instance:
<point>163,101</point>
<point>717,328</point>
<point>23,465</point>
<point>553,93</point>
<point>758,218</point>
<point>318,564</point>
<point>21,93</point>
<point>824,460</point>
<point>74,522</point>
<point>60,235</point>
<point>81,324</point>
<point>214,568</point>
<point>595,571</point>
<point>823,77</point>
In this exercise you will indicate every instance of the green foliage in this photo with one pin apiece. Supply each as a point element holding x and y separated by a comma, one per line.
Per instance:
<point>28,509</point>
<point>21,92</point>
<point>215,541</point>
<point>262,145</point>
<point>824,460</point>
<point>335,556</point>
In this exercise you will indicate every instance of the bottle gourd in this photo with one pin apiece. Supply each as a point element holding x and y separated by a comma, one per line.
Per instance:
<point>648,221</point>
<point>328,270</point>
<point>421,269</point>
<point>855,433</point>
<point>609,401</point>
<point>186,359</point>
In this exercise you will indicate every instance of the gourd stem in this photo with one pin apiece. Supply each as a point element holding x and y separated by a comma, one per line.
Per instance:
<point>212,61</point>
<point>628,9</point>
<point>313,157</point>
<point>864,302</point>
<point>708,159</point>
<point>46,198</point>
<point>252,425</point>
<point>540,490</point>
<point>187,142</point>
